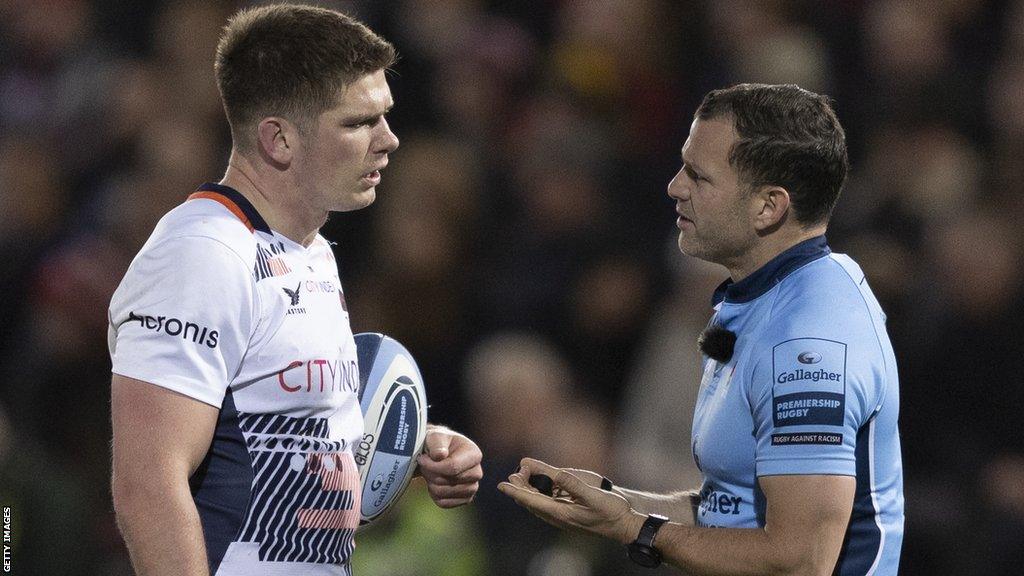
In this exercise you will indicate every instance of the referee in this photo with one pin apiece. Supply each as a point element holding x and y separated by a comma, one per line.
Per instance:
<point>795,427</point>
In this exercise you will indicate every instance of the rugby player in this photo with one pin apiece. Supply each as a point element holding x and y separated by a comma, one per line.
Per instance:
<point>234,393</point>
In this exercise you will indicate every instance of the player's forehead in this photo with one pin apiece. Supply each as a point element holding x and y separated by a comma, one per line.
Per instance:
<point>367,96</point>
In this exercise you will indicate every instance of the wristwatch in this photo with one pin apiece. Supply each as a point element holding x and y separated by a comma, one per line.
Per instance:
<point>642,550</point>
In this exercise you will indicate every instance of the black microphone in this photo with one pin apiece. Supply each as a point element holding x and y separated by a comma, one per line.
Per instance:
<point>717,343</point>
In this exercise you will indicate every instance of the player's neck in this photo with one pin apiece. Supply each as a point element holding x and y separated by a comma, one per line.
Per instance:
<point>769,247</point>
<point>273,199</point>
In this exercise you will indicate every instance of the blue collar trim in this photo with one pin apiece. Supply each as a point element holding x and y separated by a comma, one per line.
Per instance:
<point>766,277</point>
<point>242,202</point>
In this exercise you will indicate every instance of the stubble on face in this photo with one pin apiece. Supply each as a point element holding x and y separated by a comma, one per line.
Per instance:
<point>718,230</point>
<point>348,143</point>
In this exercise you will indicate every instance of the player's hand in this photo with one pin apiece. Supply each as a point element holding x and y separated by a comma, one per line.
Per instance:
<point>577,503</point>
<point>451,467</point>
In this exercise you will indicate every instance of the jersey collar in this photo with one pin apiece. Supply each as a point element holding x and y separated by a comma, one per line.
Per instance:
<point>251,217</point>
<point>767,276</point>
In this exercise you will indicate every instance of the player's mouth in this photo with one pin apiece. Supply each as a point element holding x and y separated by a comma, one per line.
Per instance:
<point>372,178</point>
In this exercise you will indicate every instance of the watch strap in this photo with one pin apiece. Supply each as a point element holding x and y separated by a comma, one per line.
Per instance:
<point>650,529</point>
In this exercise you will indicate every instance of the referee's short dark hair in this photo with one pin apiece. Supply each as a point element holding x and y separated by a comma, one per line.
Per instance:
<point>788,137</point>
<point>291,61</point>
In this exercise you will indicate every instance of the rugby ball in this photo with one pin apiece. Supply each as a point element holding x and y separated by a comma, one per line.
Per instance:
<point>394,405</point>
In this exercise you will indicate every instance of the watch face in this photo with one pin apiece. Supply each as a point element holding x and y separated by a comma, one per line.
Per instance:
<point>645,556</point>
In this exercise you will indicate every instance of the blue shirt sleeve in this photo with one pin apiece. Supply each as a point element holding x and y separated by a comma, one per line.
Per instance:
<point>815,384</point>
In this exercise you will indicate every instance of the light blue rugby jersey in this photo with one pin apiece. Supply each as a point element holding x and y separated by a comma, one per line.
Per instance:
<point>811,388</point>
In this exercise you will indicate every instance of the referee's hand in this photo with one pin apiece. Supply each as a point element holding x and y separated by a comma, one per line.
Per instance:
<point>575,503</point>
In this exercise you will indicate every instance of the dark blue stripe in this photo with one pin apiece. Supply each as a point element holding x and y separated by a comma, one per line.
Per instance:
<point>766,277</point>
<point>863,537</point>
<point>367,345</point>
<point>221,485</point>
<point>243,203</point>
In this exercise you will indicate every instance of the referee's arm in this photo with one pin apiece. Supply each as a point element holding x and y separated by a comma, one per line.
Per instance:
<point>805,522</point>
<point>160,438</point>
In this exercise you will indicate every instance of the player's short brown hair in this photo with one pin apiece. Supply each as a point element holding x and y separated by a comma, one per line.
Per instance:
<point>291,61</point>
<point>788,137</point>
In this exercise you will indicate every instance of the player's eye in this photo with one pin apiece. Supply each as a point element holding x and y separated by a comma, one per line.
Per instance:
<point>368,123</point>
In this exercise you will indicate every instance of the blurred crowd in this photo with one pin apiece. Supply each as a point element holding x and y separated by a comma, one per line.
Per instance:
<point>523,247</point>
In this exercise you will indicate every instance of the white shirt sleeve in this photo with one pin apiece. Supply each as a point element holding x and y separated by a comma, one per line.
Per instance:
<point>182,317</point>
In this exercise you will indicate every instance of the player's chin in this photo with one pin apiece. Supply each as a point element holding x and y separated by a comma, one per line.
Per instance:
<point>358,200</point>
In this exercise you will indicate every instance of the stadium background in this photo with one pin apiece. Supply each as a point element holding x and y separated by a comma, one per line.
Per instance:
<point>523,247</point>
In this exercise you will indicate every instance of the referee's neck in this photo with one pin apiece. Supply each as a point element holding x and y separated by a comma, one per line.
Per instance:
<point>769,246</point>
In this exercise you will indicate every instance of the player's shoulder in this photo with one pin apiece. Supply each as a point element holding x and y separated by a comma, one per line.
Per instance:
<point>198,225</point>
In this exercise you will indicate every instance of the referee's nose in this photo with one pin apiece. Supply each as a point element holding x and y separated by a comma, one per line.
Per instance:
<point>678,187</point>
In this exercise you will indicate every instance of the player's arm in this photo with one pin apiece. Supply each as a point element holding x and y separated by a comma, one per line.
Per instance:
<point>159,439</point>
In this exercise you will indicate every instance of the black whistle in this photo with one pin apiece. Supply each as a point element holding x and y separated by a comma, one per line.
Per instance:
<point>542,483</point>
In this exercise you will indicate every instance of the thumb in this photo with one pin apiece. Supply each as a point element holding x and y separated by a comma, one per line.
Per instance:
<point>437,445</point>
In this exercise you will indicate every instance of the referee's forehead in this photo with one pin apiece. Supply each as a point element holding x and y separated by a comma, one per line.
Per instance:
<point>709,143</point>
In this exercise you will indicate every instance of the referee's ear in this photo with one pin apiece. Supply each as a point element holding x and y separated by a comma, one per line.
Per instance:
<point>772,207</point>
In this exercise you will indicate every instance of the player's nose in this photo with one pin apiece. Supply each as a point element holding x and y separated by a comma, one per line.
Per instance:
<point>388,142</point>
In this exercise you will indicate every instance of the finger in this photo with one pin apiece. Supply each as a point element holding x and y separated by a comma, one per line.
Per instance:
<point>535,466</point>
<point>437,444</point>
<point>519,481</point>
<point>591,478</point>
<point>453,502</point>
<point>431,472</point>
<point>576,488</point>
<point>541,506</point>
<point>452,492</point>
<point>462,456</point>
<point>450,468</point>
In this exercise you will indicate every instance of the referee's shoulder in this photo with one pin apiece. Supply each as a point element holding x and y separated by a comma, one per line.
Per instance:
<point>827,288</point>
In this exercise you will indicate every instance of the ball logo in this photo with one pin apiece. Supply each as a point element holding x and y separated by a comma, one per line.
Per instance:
<point>809,357</point>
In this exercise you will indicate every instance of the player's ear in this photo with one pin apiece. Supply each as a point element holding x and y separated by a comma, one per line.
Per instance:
<point>276,140</point>
<point>772,205</point>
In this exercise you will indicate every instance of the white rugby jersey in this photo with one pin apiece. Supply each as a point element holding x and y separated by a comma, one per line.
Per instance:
<point>219,307</point>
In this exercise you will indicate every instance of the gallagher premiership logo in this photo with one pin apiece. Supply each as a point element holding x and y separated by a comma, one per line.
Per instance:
<point>175,327</point>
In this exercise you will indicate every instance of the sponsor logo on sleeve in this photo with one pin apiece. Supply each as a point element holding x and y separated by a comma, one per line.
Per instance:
<point>808,382</point>
<point>183,329</point>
